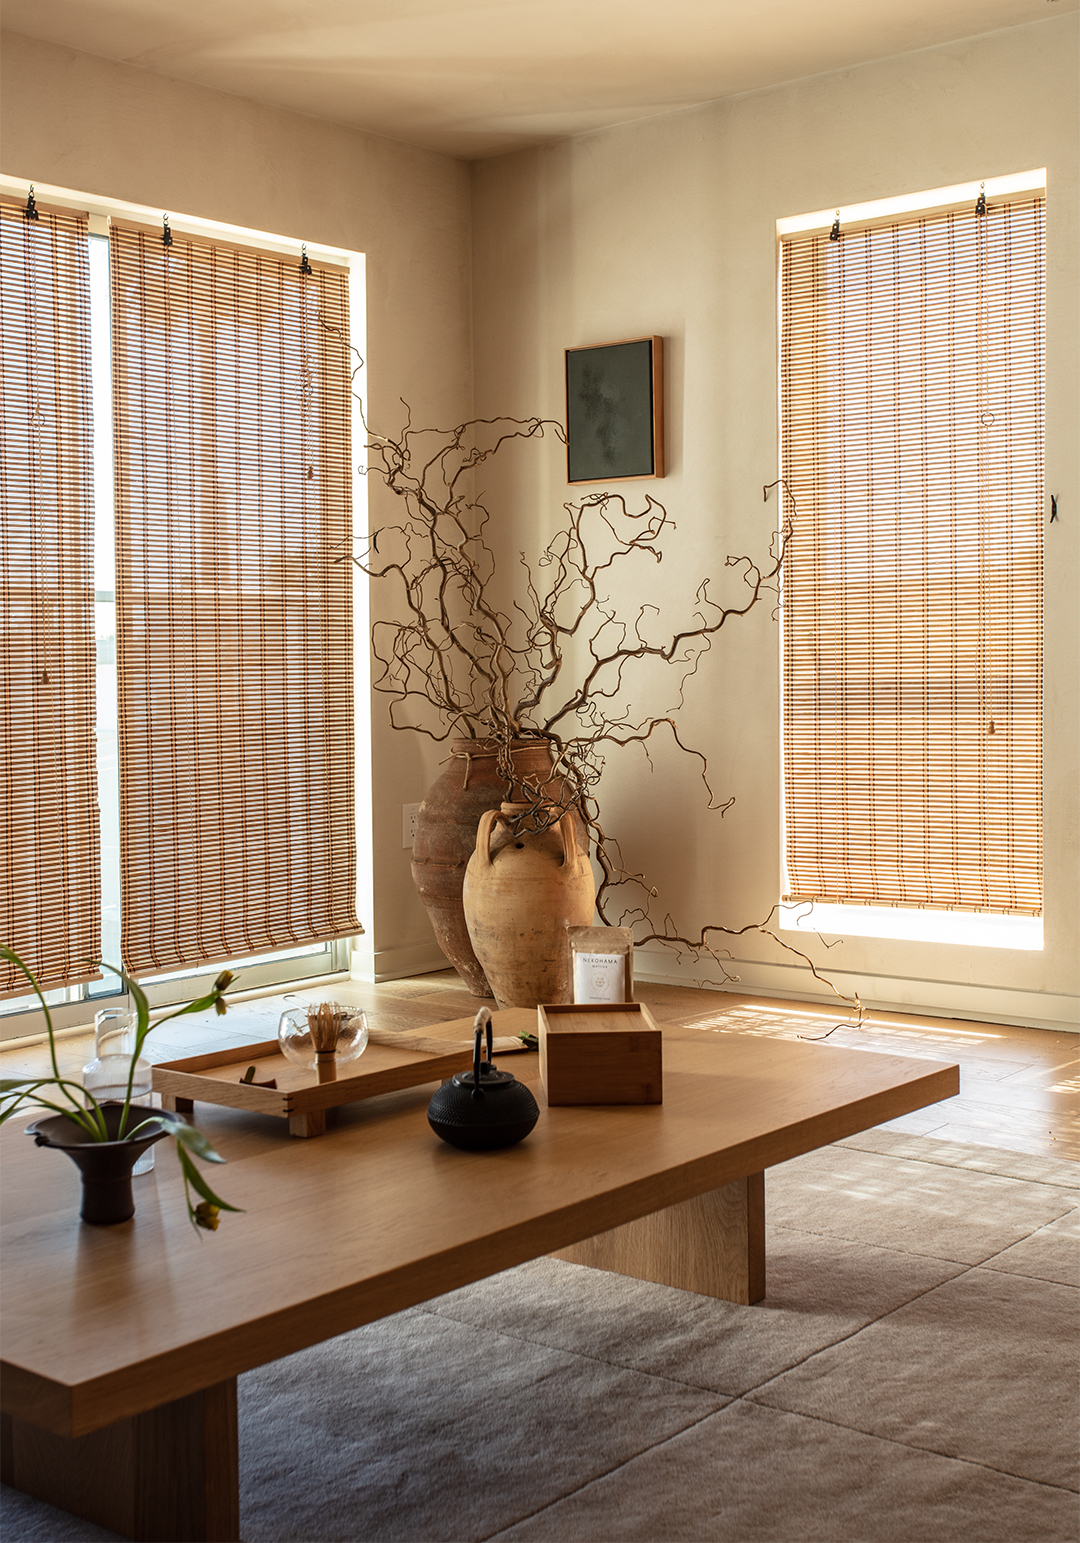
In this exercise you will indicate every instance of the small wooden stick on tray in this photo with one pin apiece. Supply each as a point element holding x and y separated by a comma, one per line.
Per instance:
<point>504,1044</point>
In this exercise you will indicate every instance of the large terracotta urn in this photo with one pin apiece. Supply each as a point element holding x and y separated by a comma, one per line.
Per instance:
<point>445,837</point>
<point>522,890</point>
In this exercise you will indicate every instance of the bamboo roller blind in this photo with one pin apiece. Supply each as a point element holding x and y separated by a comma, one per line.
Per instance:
<point>50,899</point>
<point>912,402</point>
<point>231,380</point>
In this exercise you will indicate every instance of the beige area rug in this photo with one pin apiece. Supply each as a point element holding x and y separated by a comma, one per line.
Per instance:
<point>911,1377</point>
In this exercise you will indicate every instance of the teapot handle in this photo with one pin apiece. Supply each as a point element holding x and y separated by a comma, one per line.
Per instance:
<point>482,1018</point>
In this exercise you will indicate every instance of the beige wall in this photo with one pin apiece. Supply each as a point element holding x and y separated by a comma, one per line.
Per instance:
<point>668,226</point>
<point>75,121</point>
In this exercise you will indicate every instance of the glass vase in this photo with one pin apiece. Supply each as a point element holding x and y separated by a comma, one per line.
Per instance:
<point>106,1076</point>
<point>323,1036</point>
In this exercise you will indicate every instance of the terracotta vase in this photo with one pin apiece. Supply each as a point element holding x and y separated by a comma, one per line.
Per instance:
<point>521,892</point>
<point>446,836</point>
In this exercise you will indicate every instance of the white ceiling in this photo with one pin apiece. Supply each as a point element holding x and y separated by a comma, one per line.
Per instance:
<point>476,79</point>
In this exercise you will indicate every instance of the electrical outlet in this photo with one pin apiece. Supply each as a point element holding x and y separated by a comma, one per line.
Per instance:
<point>410,813</point>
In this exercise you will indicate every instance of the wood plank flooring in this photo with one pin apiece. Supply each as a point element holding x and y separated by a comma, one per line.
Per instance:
<point>1019,1087</point>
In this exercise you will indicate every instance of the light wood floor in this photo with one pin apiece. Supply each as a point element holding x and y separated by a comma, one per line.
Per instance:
<point>1019,1088</point>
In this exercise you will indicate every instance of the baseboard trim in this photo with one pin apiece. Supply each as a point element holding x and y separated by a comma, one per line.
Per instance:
<point>891,994</point>
<point>934,999</point>
<point>398,963</point>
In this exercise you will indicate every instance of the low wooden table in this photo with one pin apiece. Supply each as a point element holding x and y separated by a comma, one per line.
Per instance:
<point>122,1344</point>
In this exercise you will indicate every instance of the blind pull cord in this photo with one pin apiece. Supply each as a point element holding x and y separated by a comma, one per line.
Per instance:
<point>31,210</point>
<point>834,234</point>
<point>980,203</point>
<point>305,266</point>
<point>166,233</point>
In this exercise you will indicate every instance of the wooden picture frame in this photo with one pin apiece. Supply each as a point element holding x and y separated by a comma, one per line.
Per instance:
<point>615,411</point>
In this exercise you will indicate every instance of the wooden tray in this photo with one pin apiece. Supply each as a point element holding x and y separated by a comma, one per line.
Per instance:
<point>391,1061</point>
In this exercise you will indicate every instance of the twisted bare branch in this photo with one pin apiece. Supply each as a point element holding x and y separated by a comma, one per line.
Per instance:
<point>456,663</point>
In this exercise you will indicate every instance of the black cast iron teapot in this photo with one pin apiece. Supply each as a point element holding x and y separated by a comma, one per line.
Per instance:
<point>483,1109</point>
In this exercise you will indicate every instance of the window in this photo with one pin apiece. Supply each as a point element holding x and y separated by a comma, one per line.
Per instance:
<point>912,444</point>
<point>224,724</point>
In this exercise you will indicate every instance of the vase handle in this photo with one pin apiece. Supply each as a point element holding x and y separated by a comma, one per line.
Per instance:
<point>483,835</point>
<point>569,840</point>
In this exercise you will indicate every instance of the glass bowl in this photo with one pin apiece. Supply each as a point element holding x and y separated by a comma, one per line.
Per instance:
<point>340,1032</point>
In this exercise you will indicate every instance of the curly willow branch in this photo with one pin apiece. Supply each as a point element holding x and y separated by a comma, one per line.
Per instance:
<point>460,664</point>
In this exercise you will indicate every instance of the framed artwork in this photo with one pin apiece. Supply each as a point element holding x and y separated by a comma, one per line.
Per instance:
<point>615,410</point>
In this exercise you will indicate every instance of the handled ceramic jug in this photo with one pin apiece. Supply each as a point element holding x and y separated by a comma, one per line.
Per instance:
<point>522,891</point>
<point>446,826</point>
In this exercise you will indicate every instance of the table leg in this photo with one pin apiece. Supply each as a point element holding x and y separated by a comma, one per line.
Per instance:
<point>170,1475</point>
<point>713,1244</point>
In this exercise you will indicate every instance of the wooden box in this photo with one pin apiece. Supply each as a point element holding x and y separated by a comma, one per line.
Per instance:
<point>601,1053</point>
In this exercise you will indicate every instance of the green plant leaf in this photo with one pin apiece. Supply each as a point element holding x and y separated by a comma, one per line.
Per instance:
<point>142,1006</point>
<point>142,1029</point>
<point>80,1118</point>
<point>142,1012</point>
<point>12,958</point>
<point>213,998</point>
<point>193,1177</point>
<point>197,1143</point>
<point>176,1125</point>
<point>22,1093</point>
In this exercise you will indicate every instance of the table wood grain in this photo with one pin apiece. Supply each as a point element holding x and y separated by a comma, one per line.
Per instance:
<point>104,1323</point>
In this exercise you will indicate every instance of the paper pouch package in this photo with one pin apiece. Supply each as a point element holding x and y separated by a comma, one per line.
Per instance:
<point>602,963</point>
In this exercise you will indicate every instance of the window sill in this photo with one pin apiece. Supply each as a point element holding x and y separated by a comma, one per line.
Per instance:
<point>912,925</point>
